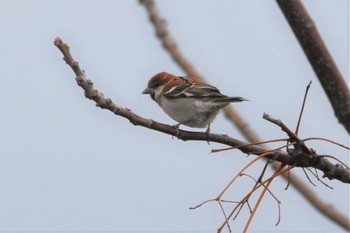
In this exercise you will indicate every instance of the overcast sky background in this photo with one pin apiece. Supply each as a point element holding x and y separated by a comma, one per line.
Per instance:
<point>66,165</point>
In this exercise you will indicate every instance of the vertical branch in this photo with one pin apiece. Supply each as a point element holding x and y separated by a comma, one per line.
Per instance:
<point>302,108</point>
<point>319,57</point>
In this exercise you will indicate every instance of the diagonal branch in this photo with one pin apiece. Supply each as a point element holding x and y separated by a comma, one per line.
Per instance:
<point>319,57</point>
<point>331,171</point>
<point>105,103</point>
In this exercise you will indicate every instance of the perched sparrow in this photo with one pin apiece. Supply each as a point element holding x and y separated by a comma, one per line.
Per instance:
<point>187,101</point>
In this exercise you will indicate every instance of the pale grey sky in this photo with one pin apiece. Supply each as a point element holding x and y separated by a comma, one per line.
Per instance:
<point>67,165</point>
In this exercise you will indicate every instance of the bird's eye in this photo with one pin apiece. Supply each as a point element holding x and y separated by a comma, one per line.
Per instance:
<point>157,84</point>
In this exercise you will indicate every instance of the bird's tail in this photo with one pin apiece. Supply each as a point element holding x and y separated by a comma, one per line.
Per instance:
<point>231,99</point>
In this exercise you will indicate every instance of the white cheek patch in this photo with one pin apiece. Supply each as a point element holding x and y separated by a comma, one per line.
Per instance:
<point>157,93</point>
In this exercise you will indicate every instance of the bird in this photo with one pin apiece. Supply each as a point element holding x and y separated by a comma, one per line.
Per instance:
<point>186,100</point>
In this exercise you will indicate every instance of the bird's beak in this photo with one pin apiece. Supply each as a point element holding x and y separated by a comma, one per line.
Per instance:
<point>147,91</point>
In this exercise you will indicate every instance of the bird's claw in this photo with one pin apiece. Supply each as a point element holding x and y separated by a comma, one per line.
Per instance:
<point>177,126</point>
<point>208,134</point>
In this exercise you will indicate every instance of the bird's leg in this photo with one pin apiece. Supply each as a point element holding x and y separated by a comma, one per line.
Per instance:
<point>208,134</point>
<point>177,126</point>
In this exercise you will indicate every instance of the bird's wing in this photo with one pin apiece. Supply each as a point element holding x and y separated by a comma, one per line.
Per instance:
<point>186,87</point>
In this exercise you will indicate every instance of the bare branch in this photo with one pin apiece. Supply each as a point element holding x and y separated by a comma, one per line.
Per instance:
<point>320,59</point>
<point>164,35</point>
<point>293,137</point>
<point>331,171</point>
<point>302,108</point>
<point>105,103</point>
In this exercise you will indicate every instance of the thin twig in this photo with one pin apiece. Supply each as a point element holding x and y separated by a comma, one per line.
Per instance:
<point>327,140</point>
<point>277,173</point>
<point>293,137</point>
<point>308,177</point>
<point>271,193</point>
<point>318,178</point>
<point>302,108</point>
<point>250,144</point>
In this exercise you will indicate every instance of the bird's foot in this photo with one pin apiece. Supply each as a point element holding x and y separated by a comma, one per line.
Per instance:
<point>208,134</point>
<point>177,126</point>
